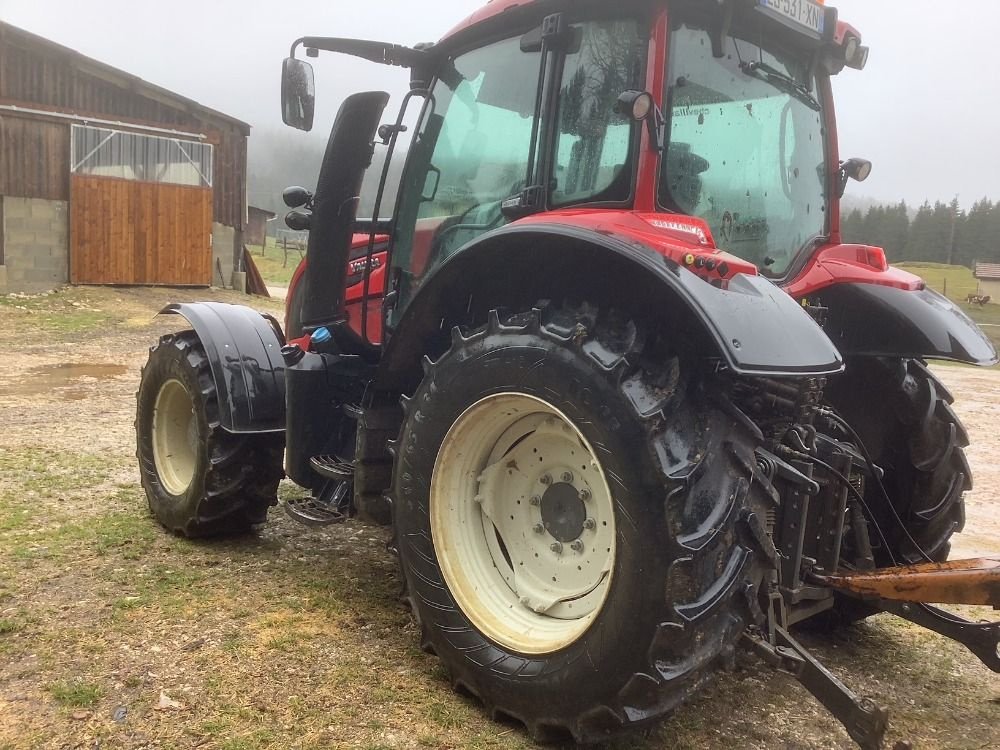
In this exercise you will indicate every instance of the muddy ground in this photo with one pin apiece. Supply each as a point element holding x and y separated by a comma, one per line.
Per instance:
<point>114,634</point>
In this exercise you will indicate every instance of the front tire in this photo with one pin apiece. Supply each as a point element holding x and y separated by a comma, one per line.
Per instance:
<point>490,503</point>
<point>199,479</point>
<point>903,414</point>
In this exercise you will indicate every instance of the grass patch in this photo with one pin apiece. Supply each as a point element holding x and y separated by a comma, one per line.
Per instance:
<point>49,472</point>
<point>9,626</point>
<point>274,266</point>
<point>956,282</point>
<point>64,311</point>
<point>75,693</point>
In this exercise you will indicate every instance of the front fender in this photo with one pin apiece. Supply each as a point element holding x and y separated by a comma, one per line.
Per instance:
<point>754,326</point>
<point>244,352</point>
<point>873,320</point>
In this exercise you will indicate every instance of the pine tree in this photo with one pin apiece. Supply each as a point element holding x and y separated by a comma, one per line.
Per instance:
<point>896,231</point>
<point>851,227</point>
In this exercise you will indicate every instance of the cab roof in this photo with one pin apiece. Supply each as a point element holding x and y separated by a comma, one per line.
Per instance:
<point>496,8</point>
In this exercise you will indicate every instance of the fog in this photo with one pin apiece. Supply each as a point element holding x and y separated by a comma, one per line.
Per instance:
<point>925,111</point>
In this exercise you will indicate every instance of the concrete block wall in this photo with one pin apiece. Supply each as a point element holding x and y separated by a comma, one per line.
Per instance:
<point>35,244</point>
<point>223,242</point>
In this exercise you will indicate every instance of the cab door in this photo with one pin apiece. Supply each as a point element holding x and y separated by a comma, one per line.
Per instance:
<point>472,152</point>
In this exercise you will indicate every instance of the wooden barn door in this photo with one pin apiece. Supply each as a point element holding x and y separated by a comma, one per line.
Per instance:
<point>132,221</point>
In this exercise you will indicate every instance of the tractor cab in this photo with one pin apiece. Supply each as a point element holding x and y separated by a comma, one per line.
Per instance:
<point>718,117</point>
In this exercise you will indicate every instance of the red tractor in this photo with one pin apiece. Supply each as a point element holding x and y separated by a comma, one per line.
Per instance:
<point>625,397</point>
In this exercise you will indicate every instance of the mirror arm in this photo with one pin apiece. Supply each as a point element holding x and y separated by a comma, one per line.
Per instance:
<point>377,52</point>
<point>657,124</point>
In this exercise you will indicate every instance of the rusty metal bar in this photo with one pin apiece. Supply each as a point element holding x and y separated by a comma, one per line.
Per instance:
<point>956,582</point>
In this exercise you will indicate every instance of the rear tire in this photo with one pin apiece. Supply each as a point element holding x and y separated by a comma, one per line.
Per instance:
<point>685,503</point>
<point>199,479</point>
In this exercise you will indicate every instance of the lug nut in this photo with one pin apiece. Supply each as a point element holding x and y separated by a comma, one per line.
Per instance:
<point>585,494</point>
<point>556,547</point>
<point>567,477</point>
<point>577,546</point>
<point>590,524</point>
<point>539,529</point>
<point>546,479</point>
<point>535,500</point>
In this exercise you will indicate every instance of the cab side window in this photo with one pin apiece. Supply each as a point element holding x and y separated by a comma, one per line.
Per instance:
<point>594,145</point>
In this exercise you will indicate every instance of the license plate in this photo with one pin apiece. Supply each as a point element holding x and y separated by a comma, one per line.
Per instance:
<point>805,13</point>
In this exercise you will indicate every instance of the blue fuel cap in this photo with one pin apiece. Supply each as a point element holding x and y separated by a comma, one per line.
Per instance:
<point>321,336</point>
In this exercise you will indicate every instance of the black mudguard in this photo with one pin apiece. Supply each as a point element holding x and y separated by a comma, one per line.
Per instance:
<point>244,351</point>
<point>756,328</point>
<point>881,321</point>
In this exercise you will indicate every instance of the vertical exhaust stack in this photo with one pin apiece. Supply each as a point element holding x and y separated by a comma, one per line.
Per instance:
<point>335,206</point>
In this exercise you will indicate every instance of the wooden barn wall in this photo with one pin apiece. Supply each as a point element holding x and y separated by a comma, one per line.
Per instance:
<point>34,74</point>
<point>34,159</point>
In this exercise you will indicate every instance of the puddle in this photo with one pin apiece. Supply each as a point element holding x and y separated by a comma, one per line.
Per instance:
<point>62,381</point>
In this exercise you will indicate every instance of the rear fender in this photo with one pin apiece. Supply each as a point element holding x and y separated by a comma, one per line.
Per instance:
<point>883,321</point>
<point>753,326</point>
<point>244,351</point>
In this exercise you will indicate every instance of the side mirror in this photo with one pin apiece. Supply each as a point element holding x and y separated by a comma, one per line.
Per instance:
<point>298,94</point>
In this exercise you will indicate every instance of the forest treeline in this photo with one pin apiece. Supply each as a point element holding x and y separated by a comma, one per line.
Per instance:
<point>938,232</point>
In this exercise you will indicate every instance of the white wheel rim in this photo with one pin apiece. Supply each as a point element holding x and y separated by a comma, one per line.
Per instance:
<point>523,523</point>
<point>175,437</point>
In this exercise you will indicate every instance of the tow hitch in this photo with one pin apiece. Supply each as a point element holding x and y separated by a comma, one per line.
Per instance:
<point>907,592</point>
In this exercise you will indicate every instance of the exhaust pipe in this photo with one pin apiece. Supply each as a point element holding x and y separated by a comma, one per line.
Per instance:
<point>335,207</point>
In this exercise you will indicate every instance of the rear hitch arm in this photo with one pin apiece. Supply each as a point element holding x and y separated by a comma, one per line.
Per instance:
<point>864,720</point>
<point>981,638</point>
<point>908,591</point>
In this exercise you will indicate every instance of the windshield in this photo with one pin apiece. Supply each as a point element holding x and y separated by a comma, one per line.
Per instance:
<point>746,148</point>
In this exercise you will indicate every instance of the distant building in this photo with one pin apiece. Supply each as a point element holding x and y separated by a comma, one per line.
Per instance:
<point>988,276</point>
<point>257,219</point>
<point>108,179</point>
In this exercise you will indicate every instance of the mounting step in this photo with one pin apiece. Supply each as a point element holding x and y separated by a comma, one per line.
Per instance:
<point>330,507</point>
<point>333,467</point>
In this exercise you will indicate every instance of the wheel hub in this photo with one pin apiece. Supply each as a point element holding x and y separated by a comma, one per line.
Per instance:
<point>175,437</point>
<point>523,523</point>
<point>563,512</point>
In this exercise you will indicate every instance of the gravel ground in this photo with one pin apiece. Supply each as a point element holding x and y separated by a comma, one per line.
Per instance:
<point>114,634</point>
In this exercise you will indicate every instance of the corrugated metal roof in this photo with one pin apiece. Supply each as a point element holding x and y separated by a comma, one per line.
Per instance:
<point>988,271</point>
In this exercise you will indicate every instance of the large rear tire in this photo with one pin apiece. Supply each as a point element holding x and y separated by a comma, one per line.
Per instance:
<point>199,479</point>
<point>576,521</point>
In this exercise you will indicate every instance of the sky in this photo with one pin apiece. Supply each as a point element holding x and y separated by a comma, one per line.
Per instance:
<point>926,110</point>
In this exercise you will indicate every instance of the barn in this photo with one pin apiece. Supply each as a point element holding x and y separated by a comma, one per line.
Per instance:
<point>108,179</point>
<point>257,219</point>
<point>988,276</point>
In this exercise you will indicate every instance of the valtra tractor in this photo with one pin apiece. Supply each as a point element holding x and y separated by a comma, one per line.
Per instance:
<point>608,370</point>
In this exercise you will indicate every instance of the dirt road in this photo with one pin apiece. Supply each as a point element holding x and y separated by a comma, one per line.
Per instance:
<point>978,404</point>
<point>114,634</point>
